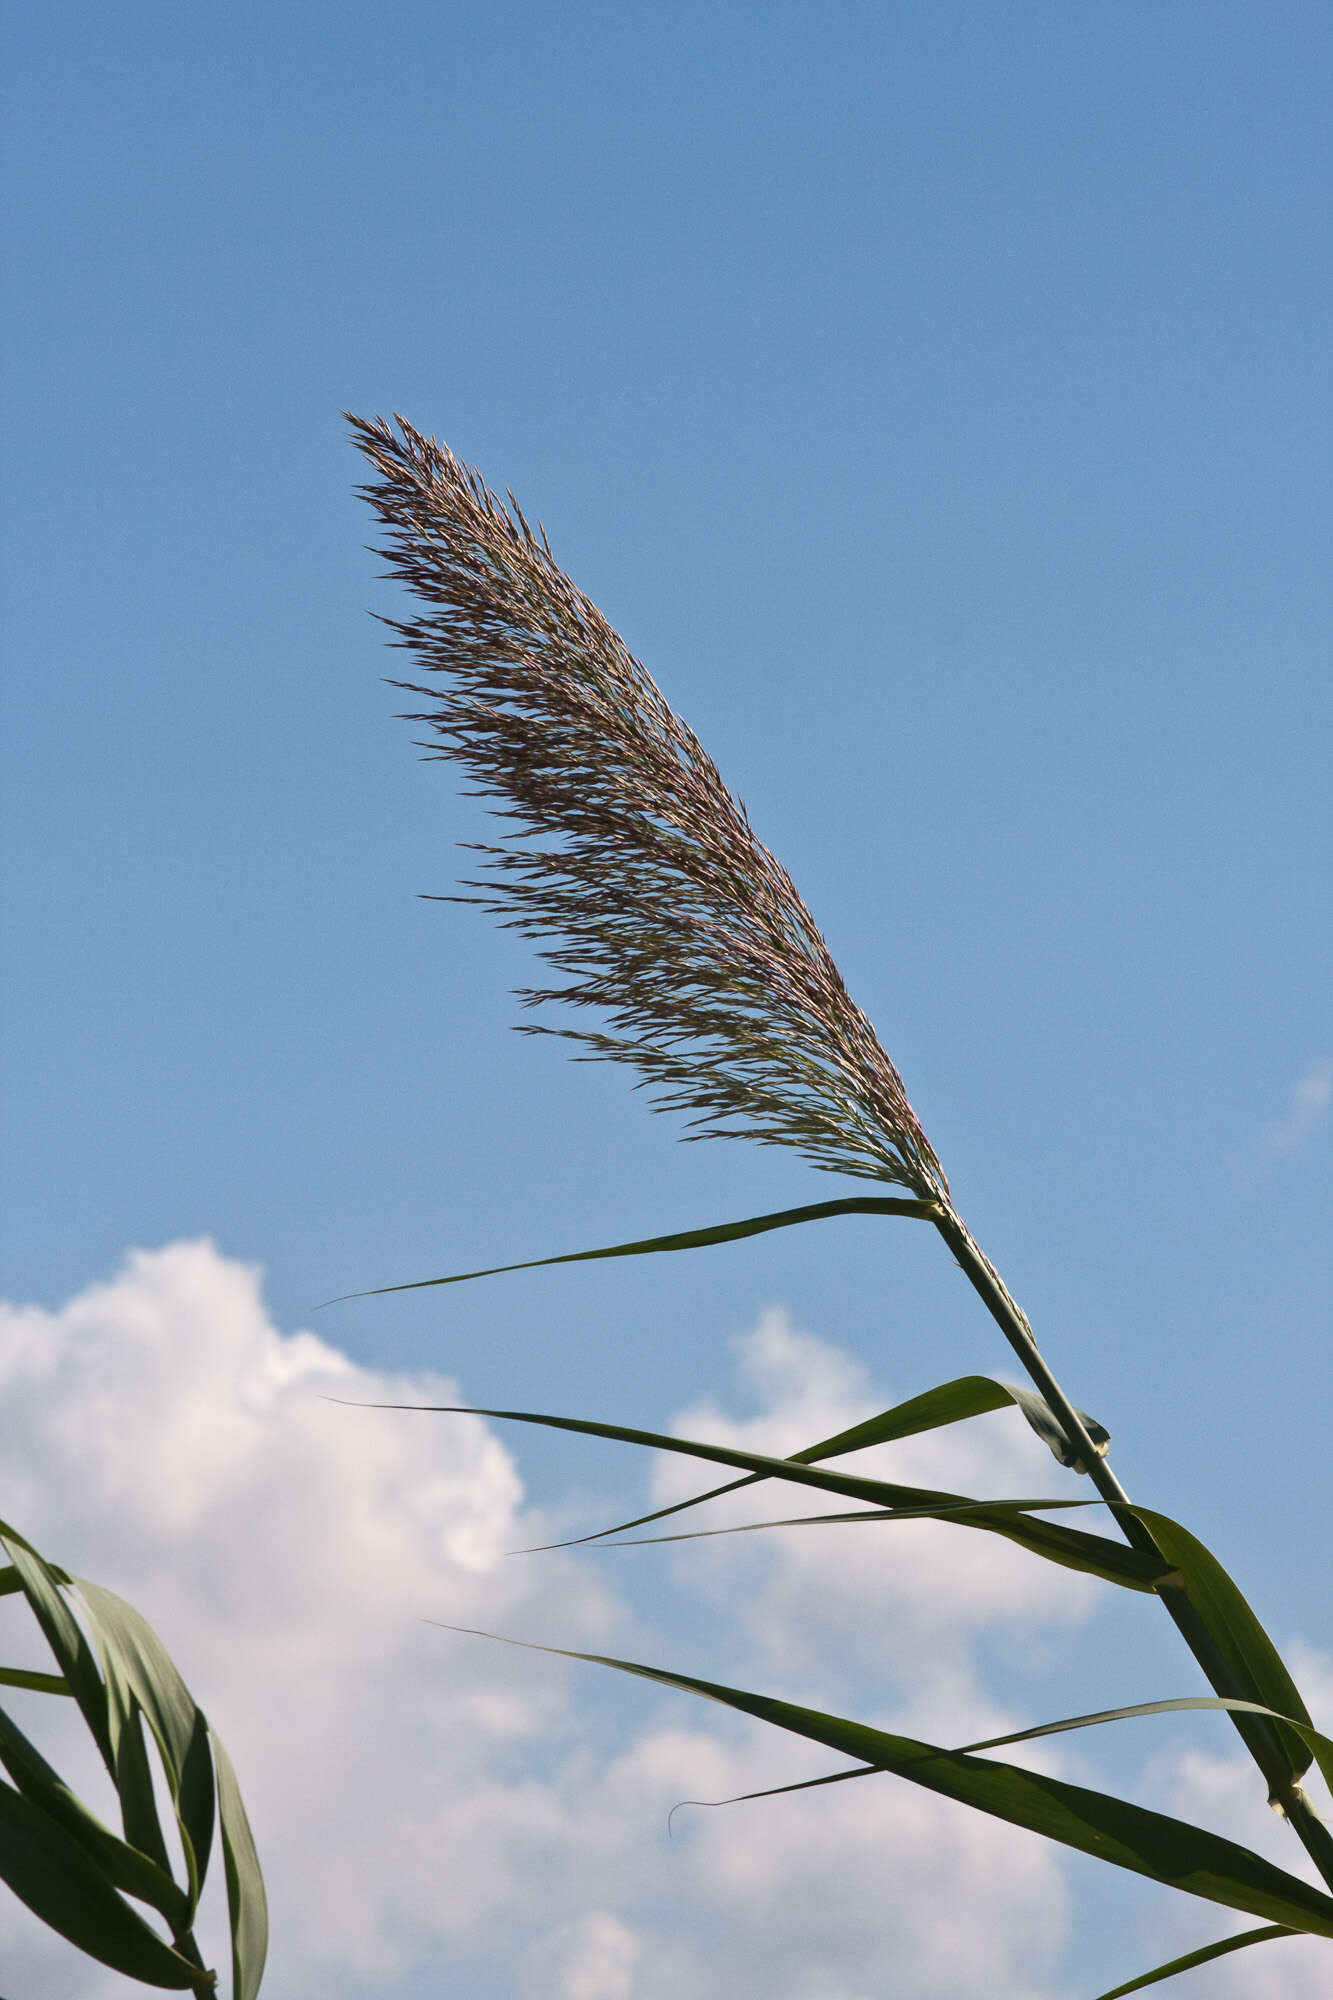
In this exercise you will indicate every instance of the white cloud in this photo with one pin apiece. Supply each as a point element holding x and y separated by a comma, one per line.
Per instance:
<point>160,1435</point>
<point>592,1958</point>
<point>424,1801</point>
<point>1309,1103</point>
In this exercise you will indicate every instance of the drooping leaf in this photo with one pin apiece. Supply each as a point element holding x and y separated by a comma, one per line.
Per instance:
<point>1073,1548</point>
<point>1246,1653</point>
<point>685,1239</point>
<point>133,1772</point>
<point>54,1874</point>
<point>41,1583</point>
<point>952,1403</point>
<point>247,1904</point>
<point>1190,1959</point>
<point>124,1866</point>
<point>135,1657</point>
<point>1167,1850</point>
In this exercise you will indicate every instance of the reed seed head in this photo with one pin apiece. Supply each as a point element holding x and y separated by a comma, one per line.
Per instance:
<point>629,862</point>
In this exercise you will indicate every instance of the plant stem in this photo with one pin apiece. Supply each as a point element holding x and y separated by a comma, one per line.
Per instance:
<point>1012,1321</point>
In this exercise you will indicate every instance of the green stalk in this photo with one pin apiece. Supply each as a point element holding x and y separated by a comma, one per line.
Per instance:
<point>1012,1321</point>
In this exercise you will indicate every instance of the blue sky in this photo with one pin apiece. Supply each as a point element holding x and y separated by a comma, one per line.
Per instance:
<point>936,400</point>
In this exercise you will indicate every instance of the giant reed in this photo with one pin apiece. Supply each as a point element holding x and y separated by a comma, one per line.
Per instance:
<point>638,875</point>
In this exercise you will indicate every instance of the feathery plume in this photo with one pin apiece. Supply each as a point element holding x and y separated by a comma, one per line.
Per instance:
<point>658,904</point>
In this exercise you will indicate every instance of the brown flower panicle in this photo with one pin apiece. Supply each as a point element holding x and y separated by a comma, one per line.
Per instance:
<point>657,902</point>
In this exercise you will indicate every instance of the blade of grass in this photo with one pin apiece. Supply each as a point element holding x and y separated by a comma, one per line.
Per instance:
<point>950,1403</point>
<point>1314,1739</point>
<point>1112,1561</point>
<point>687,1239</point>
<point>124,1866</point>
<point>53,1873</point>
<point>1167,1850</point>
<point>247,1905</point>
<point>1190,1959</point>
<point>133,1653</point>
<point>1072,1548</point>
<point>41,1583</point>
<point>1250,1658</point>
<point>21,1677</point>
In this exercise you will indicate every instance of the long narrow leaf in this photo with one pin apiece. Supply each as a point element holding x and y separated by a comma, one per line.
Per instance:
<point>685,1239</point>
<point>125,1867</point>
<point>133,1773</point>
<point>41,1583</point>
<point>132,1651</point>
<point>247,1904</point>
<point>50,1871</point>
<point>1320,1745</point>
<point>23,1677</point>
<point>1165,1849</point>
<point>950,1403</point>
<point>1284,1738</point>
<point>1250,1655</point>
<point>1190,1959</point>
<point>1074,1549</point>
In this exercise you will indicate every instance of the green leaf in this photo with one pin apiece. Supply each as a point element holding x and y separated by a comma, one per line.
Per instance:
<point>53,1873</point>
<point>1167,1850</point>
<point>1201,1957</point>
<point>687,1239</point>
<point>1247,1653</point>
<point>134,1774</point>
<point>138,1664</point>
<point>951,1403</point>
<point>246,1901</point>
<point>124,1866</point>
<point>22,1677</point>
<point>1319,1744</point>
<point>1074,1548</point>
<point>41,1583</point>
<point>1270,1714</point>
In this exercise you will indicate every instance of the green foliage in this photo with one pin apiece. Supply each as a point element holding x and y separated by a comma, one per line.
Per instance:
<point>73,1871</point>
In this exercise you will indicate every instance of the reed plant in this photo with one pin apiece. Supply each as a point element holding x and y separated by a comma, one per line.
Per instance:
<point>681,948</point>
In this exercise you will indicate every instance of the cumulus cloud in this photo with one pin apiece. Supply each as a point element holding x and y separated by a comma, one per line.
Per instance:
<point>1309,1104</point>
<point>160,1435</point>
<point>434,1812</point>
